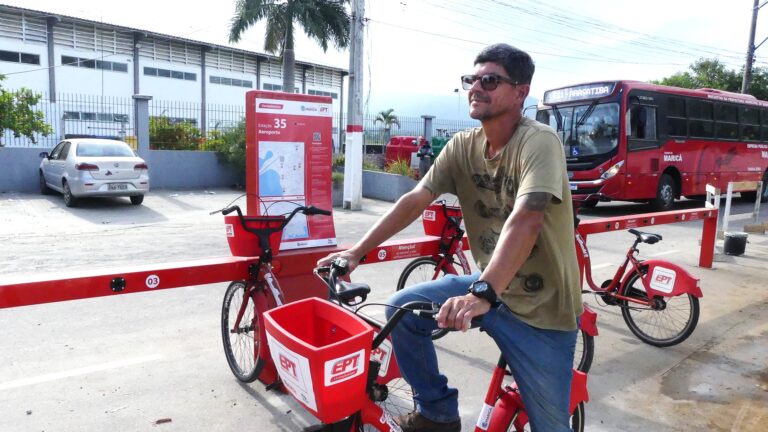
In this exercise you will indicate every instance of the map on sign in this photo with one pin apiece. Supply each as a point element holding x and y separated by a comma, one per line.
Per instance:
<point>281,169</point>
<point>297,228</point>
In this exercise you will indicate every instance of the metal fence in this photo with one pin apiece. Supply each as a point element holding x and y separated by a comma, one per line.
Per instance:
<point>176,125</point>
<point>72,116</point>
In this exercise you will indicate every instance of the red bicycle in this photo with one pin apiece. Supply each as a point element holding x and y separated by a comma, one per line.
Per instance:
<point>444,221</point>
<point>659,300</point>
<point>321,364</point>
<point>246,346</point>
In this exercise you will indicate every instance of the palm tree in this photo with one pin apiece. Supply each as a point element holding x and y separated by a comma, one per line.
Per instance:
<point>323,20</point>
<point>387,119</point>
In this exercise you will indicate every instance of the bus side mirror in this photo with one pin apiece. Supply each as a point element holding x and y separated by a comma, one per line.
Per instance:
<point>44,155</point>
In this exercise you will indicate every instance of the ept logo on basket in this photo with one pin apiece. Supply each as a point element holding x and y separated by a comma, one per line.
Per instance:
<point>344,368</point>
<point>429,215</point>
<point>230,230</point>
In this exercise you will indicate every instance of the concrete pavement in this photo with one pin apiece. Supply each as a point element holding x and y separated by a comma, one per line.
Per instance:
<point>125,362</point>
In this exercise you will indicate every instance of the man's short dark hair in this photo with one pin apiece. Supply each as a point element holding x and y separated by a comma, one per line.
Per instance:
<point>516,62</point>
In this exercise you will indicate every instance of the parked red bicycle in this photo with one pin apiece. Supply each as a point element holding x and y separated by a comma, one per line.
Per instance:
<point>444,221</point>
<point>659,300</point>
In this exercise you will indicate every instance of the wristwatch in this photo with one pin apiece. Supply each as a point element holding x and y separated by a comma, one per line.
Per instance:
<point>485,291</point>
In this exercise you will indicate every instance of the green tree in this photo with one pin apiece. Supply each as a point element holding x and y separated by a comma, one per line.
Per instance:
<point>387,118</point>
<point>230,148</point>
<point>711,73</point>
<point>18,115</point>
<point>322,20</point>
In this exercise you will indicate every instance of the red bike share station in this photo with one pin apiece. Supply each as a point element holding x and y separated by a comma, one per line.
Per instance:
<point>301,124</point>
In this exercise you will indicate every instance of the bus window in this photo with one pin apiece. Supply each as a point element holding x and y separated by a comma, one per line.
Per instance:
<point>598,133</point>
<point>700,115</point>
<point>677,122</point>
<point>727,118</point>
<point>750,124</point>
<point>642,122</point>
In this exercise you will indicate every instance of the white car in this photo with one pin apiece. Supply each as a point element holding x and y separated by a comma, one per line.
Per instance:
<point>90,167</point>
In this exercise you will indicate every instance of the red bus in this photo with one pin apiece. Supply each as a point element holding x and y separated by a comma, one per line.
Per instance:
<point>634,141</point>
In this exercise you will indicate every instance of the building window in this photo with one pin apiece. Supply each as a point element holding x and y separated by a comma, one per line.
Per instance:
<point>323,93</point>
<point>93,64</point>
<point>231,82</point>
<point>273,87</point>
<point>92,116</point>
<point>19,57</point>
<point>167,73</point>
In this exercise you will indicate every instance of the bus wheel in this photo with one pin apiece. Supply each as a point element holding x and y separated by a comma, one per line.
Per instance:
<point>665,194</point>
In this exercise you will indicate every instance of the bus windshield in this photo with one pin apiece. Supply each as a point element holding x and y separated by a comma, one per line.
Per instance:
<point>585,130</point>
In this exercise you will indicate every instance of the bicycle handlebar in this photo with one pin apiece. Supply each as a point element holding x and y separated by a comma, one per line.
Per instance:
<point>340,267</point>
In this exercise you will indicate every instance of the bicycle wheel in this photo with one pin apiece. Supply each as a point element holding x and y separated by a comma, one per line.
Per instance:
<point>418,271</point>
<point>585,352</point>
<point>397,401</point>
<point>242,346</point>
<point>668,322</point>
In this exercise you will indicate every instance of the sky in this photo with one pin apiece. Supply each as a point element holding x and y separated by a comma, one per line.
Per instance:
<point>416,50</point>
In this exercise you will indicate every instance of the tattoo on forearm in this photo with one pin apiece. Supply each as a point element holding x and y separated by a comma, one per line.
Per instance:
<point>536,201</point>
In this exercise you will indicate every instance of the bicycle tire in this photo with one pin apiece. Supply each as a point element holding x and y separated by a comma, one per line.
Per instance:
<point>682,309</point>
<point>242,348</point>
<point>585,351</point>
<point>418,271</point>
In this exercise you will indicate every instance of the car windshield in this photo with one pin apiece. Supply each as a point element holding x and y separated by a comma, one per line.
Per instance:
<point>101,149</point>
<point>586,130</point>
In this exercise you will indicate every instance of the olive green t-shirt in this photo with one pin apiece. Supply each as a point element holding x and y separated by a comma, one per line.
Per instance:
<point>545,292</point>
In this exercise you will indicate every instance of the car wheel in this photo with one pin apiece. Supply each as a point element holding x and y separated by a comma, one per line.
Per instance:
<point>69,199</point>
<point>137,199</point>
<point>44,189</point>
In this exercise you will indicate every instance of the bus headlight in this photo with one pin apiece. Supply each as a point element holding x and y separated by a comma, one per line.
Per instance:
<point>612,171</point>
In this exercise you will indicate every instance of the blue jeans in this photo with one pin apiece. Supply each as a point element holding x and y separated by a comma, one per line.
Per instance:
<point>541,360</point>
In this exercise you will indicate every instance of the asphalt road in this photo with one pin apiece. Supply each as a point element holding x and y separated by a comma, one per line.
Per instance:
<point>153,361</point>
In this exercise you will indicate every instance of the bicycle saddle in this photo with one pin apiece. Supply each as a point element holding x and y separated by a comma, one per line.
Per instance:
<point>348,291</point>
<point>646,237</point>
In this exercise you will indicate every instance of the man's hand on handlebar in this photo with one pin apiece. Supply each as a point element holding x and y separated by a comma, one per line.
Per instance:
<point>457,312</point>
<point>352,260</point>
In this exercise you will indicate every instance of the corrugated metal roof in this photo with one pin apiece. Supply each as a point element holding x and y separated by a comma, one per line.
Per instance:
<point>162,35</point>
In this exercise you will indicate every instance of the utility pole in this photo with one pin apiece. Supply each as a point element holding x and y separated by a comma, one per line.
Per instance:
<point>353,150</point>
<point>747,80</point>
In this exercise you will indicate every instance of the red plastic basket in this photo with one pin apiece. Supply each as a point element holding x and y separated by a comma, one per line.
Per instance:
<point>244,243</point>
<point>434,220</point>
<point>321,352</point>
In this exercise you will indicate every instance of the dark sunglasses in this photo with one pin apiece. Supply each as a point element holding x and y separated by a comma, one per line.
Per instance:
<point>488,82</point>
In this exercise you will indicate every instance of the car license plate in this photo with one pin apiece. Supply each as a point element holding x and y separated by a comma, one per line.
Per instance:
<point>117,186</point>
<point>573,186</point>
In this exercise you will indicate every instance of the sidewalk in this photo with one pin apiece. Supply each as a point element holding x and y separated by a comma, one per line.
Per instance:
<point>717,380</point>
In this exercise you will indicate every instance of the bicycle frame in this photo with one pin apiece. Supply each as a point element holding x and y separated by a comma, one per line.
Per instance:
<point>503,405</point>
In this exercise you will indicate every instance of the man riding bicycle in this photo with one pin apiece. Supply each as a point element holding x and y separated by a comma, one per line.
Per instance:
<point>511,181</point>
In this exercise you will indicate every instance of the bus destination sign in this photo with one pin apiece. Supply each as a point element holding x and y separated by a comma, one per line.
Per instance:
<point>578,93</point>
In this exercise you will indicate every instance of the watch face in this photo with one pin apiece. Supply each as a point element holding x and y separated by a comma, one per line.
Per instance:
<point>480,287</point>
